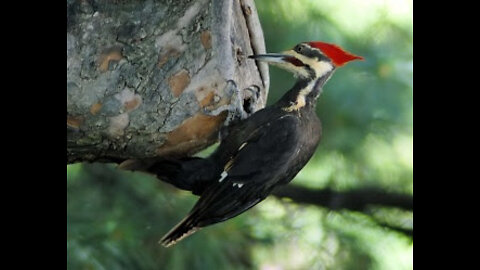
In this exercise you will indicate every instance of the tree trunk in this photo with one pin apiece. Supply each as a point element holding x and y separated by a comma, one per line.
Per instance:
<point>139,74</point>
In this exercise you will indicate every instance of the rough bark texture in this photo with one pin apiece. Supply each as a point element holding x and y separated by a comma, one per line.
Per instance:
<point>140,72</point>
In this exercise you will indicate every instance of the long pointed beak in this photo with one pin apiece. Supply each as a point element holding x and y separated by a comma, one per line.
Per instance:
<point>271,57</point>
<point>277,58</point>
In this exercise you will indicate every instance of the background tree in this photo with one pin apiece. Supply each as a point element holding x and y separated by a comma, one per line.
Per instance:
<point>115,218</point>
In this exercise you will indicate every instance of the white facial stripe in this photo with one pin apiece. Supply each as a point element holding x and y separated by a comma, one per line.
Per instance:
<point>321,67</point>
<point>297,71</point>
<point>300,102</point>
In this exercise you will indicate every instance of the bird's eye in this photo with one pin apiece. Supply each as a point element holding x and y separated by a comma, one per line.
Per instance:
<point>298,48</point>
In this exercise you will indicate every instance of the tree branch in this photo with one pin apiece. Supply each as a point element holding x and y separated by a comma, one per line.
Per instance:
<point>405,231</point>
<point>356,200</point>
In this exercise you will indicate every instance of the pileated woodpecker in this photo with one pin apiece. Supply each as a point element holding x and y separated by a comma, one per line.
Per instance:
<point>261,152</point>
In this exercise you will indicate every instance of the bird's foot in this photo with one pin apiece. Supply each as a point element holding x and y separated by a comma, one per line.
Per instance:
<point>234,108</point>
<point>242,103</point>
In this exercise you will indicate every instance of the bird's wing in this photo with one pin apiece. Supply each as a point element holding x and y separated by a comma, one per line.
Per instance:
<point>258,162</point>
<point>265,152</point>
<point>261,159</point>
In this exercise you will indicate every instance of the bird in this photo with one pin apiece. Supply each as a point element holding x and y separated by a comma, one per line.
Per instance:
<point>259,153</point>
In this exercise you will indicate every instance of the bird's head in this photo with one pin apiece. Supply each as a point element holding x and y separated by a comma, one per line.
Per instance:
<point>309,60</point>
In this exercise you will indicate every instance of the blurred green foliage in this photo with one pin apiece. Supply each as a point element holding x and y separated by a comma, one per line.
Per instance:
<point>115,218</point>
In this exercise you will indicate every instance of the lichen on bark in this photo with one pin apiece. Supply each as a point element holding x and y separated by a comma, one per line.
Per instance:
<point>140,72</point>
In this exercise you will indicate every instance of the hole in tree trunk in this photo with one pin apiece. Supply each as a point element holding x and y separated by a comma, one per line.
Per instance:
<point>247,105</point>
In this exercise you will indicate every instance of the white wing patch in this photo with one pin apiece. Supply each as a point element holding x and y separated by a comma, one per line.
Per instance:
<point>223,175</point>
<point>239,185</point>
<point>241,146</point>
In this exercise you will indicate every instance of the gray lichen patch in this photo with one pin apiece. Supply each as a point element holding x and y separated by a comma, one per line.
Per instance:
<point>139,72</point>
<point>190,14</point>
<point>170,40</point>
<point>117,125</point>
<point>183,108</point>
<point>170,53</point>
<point>129,100</point>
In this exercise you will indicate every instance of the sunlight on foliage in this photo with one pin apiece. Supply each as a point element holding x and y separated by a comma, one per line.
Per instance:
<point>115,218</point>
<point>366,110</point>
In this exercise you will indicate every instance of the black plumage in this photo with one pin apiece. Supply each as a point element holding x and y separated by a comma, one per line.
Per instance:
<point>259,153</point>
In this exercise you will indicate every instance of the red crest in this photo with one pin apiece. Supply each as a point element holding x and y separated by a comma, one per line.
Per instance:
<point>338,55</point>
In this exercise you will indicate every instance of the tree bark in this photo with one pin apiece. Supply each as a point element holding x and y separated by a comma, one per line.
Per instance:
<point>139,74</point>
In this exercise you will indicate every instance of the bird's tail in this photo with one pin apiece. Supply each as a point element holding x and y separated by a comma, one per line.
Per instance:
<point>182,172</point>
<point>183,229</point>
<point>167,170</point>
<point>136,164</point>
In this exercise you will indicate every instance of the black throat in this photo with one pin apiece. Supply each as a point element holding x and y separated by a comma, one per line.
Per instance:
<point>302,84</point>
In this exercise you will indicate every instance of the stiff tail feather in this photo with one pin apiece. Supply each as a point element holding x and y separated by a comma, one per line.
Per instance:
<point>183,229</point>
<point>136,164</point>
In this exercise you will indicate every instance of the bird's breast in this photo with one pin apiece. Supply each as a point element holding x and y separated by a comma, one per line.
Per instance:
<point>309,139</point>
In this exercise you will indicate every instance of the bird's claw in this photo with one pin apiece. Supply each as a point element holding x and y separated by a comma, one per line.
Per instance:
<point>241,105</point>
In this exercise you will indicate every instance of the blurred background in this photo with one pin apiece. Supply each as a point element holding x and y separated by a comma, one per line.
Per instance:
<point>115,218</point>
